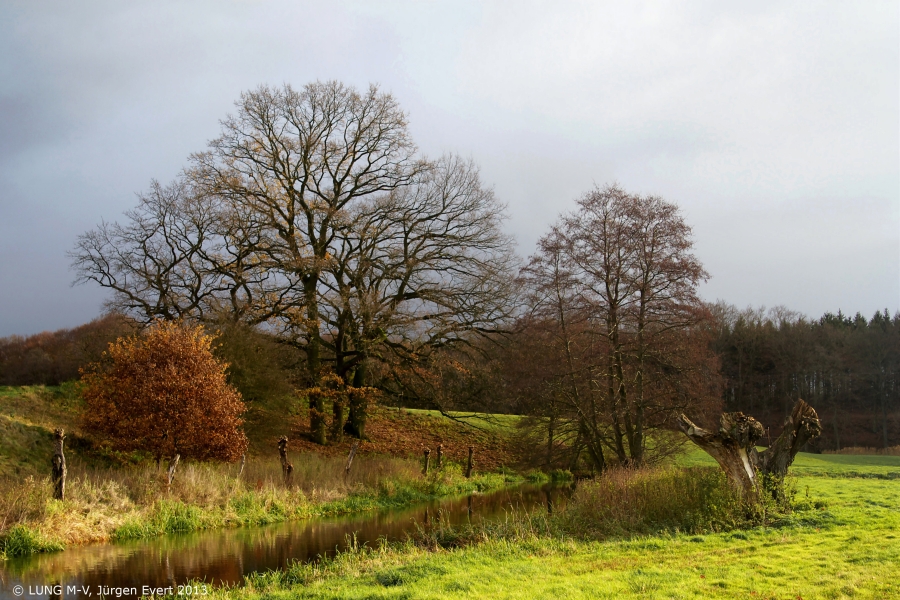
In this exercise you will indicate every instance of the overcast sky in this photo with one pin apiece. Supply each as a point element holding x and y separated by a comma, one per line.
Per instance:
<point>775,126</point>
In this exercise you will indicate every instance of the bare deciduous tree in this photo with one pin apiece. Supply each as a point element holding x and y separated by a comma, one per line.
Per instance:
<point>312,216</point>
<point>616,281</point>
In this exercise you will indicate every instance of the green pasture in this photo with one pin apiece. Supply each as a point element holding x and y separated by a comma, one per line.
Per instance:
<point>817,465</point>
<point>842,540</point>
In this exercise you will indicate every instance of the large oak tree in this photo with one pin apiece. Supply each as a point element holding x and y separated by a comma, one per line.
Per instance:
<point>312,216</point>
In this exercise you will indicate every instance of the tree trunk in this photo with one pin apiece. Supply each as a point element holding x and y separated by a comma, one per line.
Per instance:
<point>550,423</point>
<point>356,424</point>
<point>594,447</point>
<point>317,418</point>
<point>338,412</point>
<point>317,421</point>
<point>59,466</point>
<point>801,426</point>
<point>734,447</point>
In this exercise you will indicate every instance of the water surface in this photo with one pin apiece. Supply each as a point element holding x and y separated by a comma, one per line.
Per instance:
<point>226,555</point>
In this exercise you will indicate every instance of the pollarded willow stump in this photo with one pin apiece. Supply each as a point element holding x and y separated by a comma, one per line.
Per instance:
<point>734,446</point>
<point>800,427</point>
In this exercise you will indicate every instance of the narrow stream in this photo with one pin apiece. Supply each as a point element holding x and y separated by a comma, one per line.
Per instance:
<point>122,570</point>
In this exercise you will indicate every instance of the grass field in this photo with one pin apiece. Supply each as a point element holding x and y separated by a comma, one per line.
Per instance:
<point>841,541</point>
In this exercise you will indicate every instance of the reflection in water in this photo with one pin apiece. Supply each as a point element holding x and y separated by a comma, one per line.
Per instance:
<point>227,555</point>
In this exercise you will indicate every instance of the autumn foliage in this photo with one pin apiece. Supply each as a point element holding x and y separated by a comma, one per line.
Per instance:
<point>165,393</point>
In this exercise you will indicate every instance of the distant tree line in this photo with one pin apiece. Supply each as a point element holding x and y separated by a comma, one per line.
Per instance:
<point>845,367</point>
<point>50,358</point>
<point>762,361</point>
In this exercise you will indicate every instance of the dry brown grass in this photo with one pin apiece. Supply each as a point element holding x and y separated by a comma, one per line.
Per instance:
<point>99,500</point>
<point>647,500</point>
<point>109,491</point>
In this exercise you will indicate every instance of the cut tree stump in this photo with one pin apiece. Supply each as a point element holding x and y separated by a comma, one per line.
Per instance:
<point>734,447</point>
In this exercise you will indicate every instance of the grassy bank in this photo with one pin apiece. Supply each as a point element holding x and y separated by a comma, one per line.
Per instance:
<point>119,497</point>
<point>132,503</point>
<point>842,540</point>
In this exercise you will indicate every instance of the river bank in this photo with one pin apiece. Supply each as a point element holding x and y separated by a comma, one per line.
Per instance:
<point>225,556</point>
<point>114,497</point>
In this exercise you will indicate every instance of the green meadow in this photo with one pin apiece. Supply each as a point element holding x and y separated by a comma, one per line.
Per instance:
<point>840,540</point>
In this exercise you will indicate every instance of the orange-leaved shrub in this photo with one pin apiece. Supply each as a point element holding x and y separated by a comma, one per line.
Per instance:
<point>164,392</point>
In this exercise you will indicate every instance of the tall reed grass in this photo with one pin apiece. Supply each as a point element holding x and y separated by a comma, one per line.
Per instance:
<point>643,501</point>
<point>621,503</point>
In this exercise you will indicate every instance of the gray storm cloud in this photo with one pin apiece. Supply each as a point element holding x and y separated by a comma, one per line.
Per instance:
<point>775,126</point>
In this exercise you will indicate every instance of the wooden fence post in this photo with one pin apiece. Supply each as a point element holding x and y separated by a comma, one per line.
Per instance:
<point>427,453</point>
<point>469,466</point>
<point>440,456</point>
<point>59,466</point>
<point>286,467</point>
<point>350,458</point>
<point>243,462</point>
<point>170,472</point>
